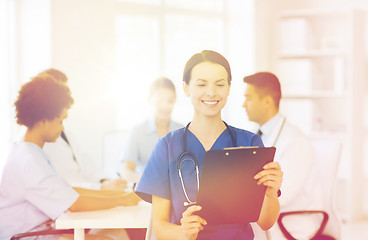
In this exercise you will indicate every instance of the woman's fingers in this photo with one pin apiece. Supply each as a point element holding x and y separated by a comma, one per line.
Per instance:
<point>274,165</point>
<point>272,168</point>
<point>270,179</point>
<point>190,210</point>
<point>188,216</point>
<point>192,224</point>
<point>271,176</point>
<point>193,219</point>
<point>187,225</point>
<point>268,174</point>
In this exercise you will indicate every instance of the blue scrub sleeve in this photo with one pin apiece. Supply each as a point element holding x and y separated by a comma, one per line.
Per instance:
<point>256,141</point>
<point>155,179</point>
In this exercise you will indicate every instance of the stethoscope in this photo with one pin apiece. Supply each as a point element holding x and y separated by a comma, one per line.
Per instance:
<point>192,158</point>
<point>280,130</point>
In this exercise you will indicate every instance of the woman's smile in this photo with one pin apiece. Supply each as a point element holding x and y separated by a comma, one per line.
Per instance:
<point>211,102</point>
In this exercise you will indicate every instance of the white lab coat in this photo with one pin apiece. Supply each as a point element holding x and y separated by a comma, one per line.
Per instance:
<point>31,191</point>
<point>300,189</point>
<point>81,173</point>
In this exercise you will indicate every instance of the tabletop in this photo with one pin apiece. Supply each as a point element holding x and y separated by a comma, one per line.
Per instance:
<point>119,217</point>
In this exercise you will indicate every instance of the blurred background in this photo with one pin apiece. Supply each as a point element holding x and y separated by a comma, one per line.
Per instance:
<point>112,49</point>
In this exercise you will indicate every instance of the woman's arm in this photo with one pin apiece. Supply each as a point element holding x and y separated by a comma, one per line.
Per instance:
<point>117,184</point>
<point>95,200</point>
<point>271,177</point>
<point>164,229</point>
<point>98,193</point>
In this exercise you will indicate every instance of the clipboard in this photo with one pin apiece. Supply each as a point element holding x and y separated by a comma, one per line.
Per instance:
<point>228,192</point>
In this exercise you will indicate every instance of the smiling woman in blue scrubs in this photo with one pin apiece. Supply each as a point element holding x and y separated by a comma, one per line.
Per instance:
<point>206,82</point>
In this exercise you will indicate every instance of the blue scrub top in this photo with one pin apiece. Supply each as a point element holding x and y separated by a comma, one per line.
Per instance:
<point>161,177</point>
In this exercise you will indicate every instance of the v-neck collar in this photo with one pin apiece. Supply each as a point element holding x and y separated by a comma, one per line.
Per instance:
<point>214,145</point>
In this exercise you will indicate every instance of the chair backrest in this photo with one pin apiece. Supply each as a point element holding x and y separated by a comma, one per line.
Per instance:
<point>112,149</point>
<point>36,234</point>
<point>328,158</point>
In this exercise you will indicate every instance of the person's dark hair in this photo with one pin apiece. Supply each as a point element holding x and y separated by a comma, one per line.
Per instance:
<point>43,98</point>
<point>57,74</point>
<point>265,84</point>
<point>205,56</point>
<point>161,82</point>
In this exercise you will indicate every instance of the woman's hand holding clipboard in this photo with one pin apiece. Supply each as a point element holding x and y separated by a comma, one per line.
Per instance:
<point>271,177</point>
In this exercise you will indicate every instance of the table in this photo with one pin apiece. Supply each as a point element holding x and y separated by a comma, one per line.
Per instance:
<point>119,217</point>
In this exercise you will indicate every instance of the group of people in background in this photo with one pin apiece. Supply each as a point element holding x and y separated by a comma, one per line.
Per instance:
<point>44,176</point>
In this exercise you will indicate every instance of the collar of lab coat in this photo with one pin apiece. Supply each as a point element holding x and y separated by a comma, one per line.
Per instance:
<point>151,126</point>
<point>271,129</point>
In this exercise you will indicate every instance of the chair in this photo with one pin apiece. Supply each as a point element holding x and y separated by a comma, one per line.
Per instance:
<point>113,145</point>
<point>328,158</point>
<point>45,228</point>
<point>42,233</point>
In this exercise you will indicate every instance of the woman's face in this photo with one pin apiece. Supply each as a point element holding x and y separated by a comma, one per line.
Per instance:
<point>254,105</point>
<point>163,101</point>
<point>208,88</point>
<point>53,128</point>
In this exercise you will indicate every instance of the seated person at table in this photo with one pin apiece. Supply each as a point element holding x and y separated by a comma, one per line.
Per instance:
<point>69,161</point>
<point>144,136</point>
<point>31,192</point>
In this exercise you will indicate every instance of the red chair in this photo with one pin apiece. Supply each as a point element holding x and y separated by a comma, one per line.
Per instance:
<point>43,232</point>
<point>328,158</point>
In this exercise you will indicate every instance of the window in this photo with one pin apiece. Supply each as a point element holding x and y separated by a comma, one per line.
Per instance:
<point>26,50</point>
<point>137,38</point>
<point>5,65</point>
<point>160,36</point>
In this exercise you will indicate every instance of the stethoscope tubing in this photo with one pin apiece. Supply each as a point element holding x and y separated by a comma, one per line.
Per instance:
<point>279,132</point>
<point>194,159</point>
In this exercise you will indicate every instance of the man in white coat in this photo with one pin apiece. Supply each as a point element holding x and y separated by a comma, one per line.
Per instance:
<point>294,152</point>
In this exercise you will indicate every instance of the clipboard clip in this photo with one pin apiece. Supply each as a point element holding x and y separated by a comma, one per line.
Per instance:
<point>231,148</point>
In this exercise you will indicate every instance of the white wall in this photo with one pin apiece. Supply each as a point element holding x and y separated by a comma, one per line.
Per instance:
<point>84,47</point>
<point>80,38</point>
<point>83,39</point>
<point>25,50</point>
<point>4,85</point>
